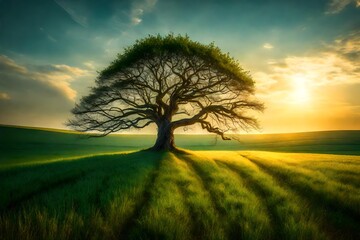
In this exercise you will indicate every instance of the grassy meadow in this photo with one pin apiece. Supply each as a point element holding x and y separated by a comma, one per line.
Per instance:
<point>61,185</point>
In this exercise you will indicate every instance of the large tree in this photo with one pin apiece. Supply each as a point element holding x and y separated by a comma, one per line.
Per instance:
<point>172,82</point>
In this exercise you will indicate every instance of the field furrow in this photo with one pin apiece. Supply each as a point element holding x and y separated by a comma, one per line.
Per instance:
<point>183,195</point>
<point>203,180</point>
<point>141,201</point>
<point>242,212</point>
<point>166,214</point>
<point>338,220</point>
<point>95,207</point>
<point>206,218</point>
<point>341,178</point>
<point>288,219</point>
<point>335,195</point>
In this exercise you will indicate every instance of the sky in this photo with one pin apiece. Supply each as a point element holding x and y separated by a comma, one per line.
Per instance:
<point>303,55</point>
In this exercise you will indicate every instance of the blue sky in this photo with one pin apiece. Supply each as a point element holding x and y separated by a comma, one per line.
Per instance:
<point>303,55</point>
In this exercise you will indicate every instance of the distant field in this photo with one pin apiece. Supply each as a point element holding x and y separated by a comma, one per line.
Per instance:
<point>25,145</point>
<point>227,194</point>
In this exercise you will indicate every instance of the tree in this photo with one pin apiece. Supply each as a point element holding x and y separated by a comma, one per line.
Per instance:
<point>172,82</point>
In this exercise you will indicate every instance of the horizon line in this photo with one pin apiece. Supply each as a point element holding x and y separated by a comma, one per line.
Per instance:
<point>130,133</point>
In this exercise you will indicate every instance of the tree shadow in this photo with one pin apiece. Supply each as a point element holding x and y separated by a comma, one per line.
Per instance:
<point>22,184</point>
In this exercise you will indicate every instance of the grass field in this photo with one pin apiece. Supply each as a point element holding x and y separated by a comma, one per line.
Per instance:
<point>55,185</point>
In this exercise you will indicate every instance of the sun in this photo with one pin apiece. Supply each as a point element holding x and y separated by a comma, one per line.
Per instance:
<point>300,93</point>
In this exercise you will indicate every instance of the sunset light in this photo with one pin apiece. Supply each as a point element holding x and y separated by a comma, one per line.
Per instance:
<point>180,119</point>
<point>302,55</point>
<point>300,93</point>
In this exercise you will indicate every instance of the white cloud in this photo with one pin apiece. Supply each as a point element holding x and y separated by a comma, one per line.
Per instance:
<point>136,20</point>
<point>338,64</point>
<point>268,46</point>
<point>7,63</point>
<point>271,62</point>
<point>336,6</point>
<point>38,95</point>
<point>326,68</point>
<point>74,71</point>
<point>90,65</point>
<point>139,8</point>
<point>136,15</point>
<point>4,96</point>
<point>57,77</point>
<point>349,45</point>
<point>61,82</point>
<point>60,78</point>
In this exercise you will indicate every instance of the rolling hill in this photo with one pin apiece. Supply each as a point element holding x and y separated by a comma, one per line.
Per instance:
<point>21,144</point>
<point>60,185</point>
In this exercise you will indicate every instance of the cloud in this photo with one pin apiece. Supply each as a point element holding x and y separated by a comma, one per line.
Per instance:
<point>4,96</point>
<point>337,64</point>
<point>268,46</point>
<point>7,64</point>
<point>73,71</point>
<point>323,69</point>
<point>37,95</point>
<point>136,14</point>
<point>90,65</point>
<point>316,91</point>
<point>59,82</point>
<point>348,47</point>
<point>57,77</point>
<point>271,62</point>
<point>336,6</point>
<point>139,8</point>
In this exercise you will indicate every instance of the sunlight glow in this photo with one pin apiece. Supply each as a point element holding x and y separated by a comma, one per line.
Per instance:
<point>301,91</point>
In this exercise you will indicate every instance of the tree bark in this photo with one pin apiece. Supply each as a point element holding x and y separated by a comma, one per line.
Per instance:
<point>165,137</point>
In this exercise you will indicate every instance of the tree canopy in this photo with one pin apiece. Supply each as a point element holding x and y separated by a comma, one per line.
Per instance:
<point>173,82</point>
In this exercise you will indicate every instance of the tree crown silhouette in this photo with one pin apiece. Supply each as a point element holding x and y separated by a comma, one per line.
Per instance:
<point>172,82</point>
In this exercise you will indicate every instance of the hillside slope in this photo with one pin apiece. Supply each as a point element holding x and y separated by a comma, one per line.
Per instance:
<point>19,144</point>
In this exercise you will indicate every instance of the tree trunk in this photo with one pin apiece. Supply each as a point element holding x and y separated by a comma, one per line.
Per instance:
<point>165,137</point>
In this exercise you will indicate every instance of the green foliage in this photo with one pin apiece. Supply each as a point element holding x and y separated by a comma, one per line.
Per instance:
<point>171,45</point>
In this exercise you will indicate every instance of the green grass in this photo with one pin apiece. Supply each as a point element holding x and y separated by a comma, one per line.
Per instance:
<point>20,145</point>
<point>87,192</point>
<point>74,197</point>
